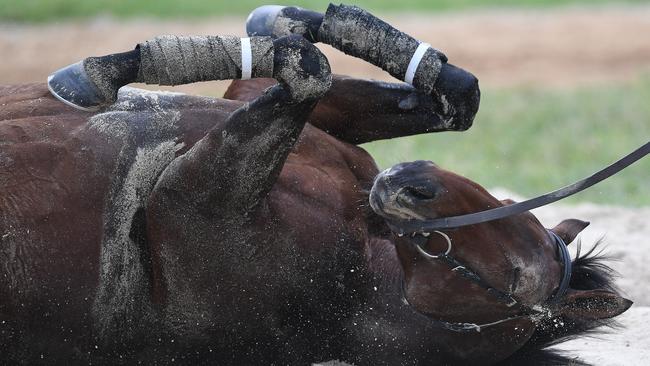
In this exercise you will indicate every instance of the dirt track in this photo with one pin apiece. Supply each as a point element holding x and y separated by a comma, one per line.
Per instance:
<point>550,48</point>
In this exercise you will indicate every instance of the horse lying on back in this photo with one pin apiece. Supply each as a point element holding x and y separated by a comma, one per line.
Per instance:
<point>171,228</point>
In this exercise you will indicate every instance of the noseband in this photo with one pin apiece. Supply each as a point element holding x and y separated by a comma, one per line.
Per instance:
<point>418,240</point>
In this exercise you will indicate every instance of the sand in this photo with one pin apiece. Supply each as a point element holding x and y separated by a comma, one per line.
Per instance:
<point>629,347</point>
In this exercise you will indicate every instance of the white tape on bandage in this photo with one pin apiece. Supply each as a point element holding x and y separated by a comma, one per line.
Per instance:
<point>415,62</point>
<point>246,59</point>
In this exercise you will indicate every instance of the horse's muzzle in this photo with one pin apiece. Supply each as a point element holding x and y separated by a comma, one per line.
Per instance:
<point>398,191</point>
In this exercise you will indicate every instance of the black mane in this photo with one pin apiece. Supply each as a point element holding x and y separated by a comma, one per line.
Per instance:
<point>589,273</point>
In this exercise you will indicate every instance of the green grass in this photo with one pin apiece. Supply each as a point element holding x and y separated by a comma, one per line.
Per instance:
<point>54,10</point>
<point>532,141</point>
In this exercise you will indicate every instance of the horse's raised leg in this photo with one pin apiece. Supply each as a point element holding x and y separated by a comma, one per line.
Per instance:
<point>359,111</point>
<point>454,91</point>
<point>237,162</point>
<point>93,83</point>
<point>199,214</point>
<point>357,33</point>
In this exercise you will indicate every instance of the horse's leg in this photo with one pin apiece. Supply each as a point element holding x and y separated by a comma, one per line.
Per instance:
<point>237,162</point>
<point>358,33</point>
<point>359,111</point>
<point>165,60</point>
<point>225,175</point>
<point>454,94</point>
<point>201,212</point>
<point>354,110</point>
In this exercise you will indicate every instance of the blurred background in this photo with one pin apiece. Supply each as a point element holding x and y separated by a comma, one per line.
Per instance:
<point>565,84</point>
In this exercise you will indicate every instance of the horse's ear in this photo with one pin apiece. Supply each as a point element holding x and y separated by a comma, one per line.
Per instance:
<point>569,229</point>
<point>593,304</point>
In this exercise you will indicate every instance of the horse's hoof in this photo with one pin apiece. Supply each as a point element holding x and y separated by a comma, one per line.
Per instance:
<point>72,86</point>
<point>261,21</point>
<point>278,21</point>
<point>459,96</point>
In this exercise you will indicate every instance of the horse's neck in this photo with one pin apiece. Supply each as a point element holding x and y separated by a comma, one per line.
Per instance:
<point>383,263</point>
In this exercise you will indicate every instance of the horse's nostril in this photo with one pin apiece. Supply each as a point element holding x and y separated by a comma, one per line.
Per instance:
<point>420,193</point>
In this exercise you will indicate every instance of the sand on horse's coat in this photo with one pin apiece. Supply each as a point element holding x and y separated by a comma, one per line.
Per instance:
<point>147,145</point>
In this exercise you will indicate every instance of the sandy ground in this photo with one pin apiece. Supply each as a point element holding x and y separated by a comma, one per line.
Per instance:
<point>629,347</point>
<point>542,48</point>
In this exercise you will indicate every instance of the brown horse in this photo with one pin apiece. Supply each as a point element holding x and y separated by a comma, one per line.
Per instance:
<point>170,228</point>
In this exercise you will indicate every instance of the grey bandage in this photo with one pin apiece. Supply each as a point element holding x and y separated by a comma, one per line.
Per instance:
<point>176,60</point>
<point>361,34</point>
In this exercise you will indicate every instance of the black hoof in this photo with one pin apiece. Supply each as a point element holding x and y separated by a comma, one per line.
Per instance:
<point>277,21</point>
<point>261,21</point>
<point>72,86</point>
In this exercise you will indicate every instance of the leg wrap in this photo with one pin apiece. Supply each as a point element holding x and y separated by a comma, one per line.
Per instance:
<point>359,33</point>
<point>174,60</point>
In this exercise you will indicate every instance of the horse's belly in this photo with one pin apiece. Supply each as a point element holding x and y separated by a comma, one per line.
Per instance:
<point>318,254</point>
<point>322,206</point>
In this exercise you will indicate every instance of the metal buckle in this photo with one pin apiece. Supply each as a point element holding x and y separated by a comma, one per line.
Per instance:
<point>432,256</point>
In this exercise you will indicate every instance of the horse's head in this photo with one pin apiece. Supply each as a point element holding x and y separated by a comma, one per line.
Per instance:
<point>504,273</point>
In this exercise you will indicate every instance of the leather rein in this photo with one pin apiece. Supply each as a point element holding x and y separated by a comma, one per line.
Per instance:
<point>445,223</point>
<point>419,231</point>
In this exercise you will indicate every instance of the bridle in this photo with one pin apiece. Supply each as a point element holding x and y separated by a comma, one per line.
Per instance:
<point>418,232</point>
<point>418,240</point>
